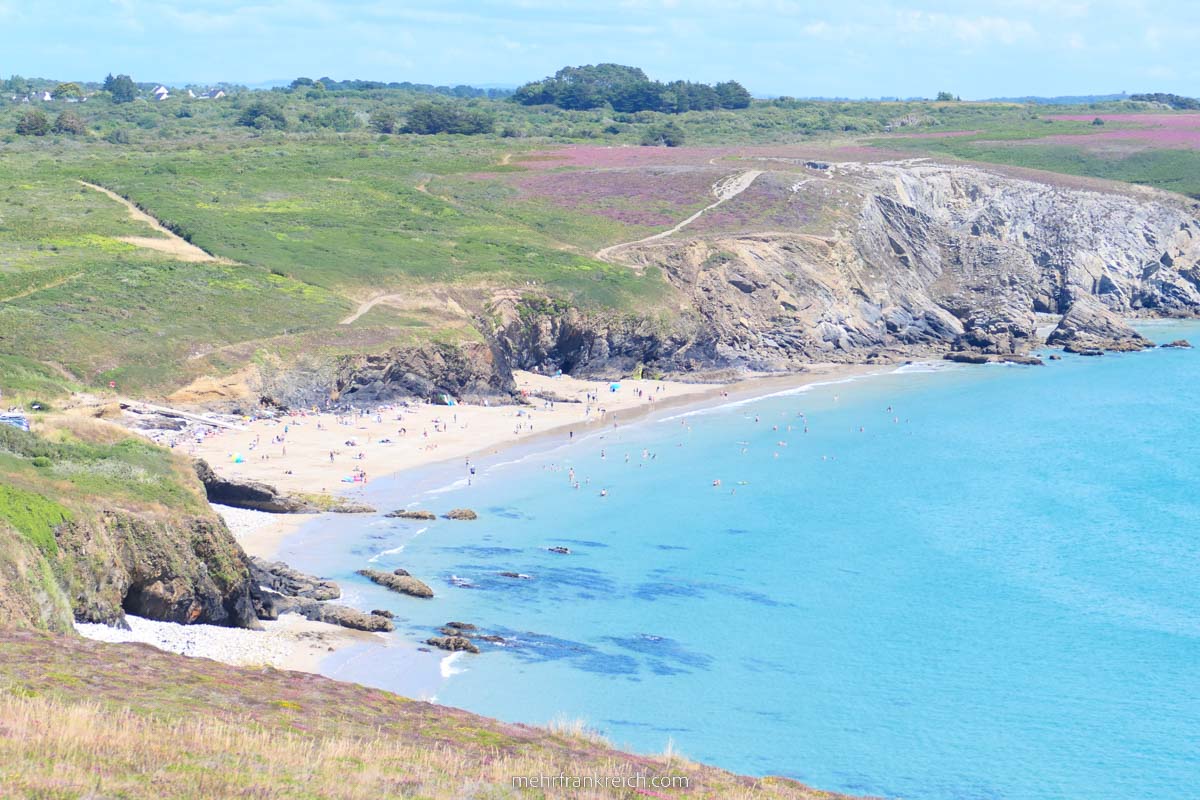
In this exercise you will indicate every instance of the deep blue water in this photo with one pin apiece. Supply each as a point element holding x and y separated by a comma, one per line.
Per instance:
<point>996,595</point>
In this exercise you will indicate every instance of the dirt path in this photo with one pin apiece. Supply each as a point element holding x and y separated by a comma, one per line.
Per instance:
<point>727,188</point>
<point>173,244</point>
<point>367,306</point>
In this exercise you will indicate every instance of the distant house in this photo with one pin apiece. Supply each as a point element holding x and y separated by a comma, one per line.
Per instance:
<point>161,93</point>
<point>45,97</point>
<point>213,94</point>
<point>191,93</point>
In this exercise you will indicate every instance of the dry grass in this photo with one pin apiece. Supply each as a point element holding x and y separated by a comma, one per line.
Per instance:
<point>82,719</point>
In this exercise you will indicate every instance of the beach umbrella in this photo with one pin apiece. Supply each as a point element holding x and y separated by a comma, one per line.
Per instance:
<point>612,387</point>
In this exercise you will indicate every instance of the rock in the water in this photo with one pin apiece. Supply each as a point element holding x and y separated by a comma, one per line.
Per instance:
<point>1055,357</point>
<point>966,357</point>
<point>1180,343</point>
<point>461,513</point>
<point>405,584</point>
<point>383,612</point>
<point>279,577</point>
<point>401,572</point>
<point>353,618</point>
<point>350,507</point>
<point>330,613</point>
<point>1020,358</point>
<point>562,551</point>
<point>518,575</point>
<point>248,494</point>
<point>1080,350</point>
<point>1088,325</point>
<point>402,514</point>
<point>462,626</point>
<point>453,643</point>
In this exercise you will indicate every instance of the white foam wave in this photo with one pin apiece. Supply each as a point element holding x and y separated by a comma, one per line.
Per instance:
<point>447,668</point>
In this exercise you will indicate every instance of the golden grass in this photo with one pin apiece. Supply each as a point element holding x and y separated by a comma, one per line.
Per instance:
<point>52,748</point>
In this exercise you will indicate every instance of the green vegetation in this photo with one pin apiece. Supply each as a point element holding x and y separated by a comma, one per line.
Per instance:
<point>81,458</point>
<point>33,515</point>
<point>1175,101</point>
<point>324,194</point>
<point>628,90</point>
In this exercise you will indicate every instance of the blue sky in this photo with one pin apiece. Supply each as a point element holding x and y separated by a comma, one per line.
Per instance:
<point>850,48</point>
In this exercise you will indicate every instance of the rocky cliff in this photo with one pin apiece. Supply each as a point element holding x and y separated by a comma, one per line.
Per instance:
<point>912,259</point>
<point>94,524</point>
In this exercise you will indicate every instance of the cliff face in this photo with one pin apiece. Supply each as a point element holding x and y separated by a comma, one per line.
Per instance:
<point>94,524</point>
<point>182,569</point>
<point>921,259</point>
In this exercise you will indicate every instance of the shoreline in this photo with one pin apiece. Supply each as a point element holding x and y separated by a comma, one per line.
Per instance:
<point>294,643</point>
<point>426,672</point>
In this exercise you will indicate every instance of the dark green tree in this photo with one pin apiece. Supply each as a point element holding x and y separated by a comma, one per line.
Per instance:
<point>384,120</point>
<point>33,123</point>
<point>263,115</point>
<point>731,94</point>
<point>123,89</point>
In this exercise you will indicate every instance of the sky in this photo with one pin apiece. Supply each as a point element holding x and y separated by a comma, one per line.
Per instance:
<point>828,48</point>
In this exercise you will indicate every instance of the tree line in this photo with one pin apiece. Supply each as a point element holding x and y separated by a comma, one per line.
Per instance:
<point>628,90</point>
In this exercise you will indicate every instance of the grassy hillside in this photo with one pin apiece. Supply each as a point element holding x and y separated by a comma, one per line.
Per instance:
<point>314,219</point>
<point>84,719</point>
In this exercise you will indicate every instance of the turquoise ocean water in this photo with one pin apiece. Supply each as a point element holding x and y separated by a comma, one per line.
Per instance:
<point>990,591</point>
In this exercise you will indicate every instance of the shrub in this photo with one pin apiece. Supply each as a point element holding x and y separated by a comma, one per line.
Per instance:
<point>33,123</point>
<point>263,115</point>
<point>384,120</point>
<point>430,118</point>
<point>69,122</point>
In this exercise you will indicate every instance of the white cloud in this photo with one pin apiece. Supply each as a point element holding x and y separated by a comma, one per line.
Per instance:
<point>969,31</point>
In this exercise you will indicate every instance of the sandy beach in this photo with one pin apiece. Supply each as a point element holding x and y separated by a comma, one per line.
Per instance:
<point>329,453</point>
<point>332,453</point>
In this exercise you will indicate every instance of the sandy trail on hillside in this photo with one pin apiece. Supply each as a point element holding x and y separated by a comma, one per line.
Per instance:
<point>725,189</point>
<point>368,305</point>
<point>173,245</point>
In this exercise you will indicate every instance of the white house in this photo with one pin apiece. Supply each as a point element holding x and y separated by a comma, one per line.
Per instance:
<point>161,93</point>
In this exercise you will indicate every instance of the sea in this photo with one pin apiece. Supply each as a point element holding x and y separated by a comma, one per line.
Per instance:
<point>944,582</point>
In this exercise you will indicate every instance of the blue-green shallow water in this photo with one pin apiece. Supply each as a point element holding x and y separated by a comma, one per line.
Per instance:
<point>995,597</point>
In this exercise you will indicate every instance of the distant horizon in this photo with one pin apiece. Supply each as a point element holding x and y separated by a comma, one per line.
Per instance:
<point>978,49</point>
<point>281,82</point>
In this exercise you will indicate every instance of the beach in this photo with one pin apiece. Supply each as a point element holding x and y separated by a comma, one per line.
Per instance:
<point>340,453</point>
